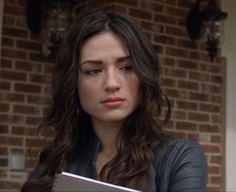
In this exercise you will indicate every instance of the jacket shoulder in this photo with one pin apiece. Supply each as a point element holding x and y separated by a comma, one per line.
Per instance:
<point>181,166</point>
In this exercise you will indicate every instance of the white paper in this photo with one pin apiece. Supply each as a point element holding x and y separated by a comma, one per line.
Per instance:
<point>67,182</point>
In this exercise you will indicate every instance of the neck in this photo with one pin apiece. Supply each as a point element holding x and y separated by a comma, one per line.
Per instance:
<point>107,134</point>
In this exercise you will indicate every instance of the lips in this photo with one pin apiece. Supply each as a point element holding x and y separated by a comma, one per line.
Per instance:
<point>113,102</point>
<point>114,99</point>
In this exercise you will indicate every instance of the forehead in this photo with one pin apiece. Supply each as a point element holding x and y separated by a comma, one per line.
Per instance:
<point>103,44</point>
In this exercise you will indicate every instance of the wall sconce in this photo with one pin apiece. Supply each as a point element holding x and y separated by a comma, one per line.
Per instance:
<point>49,19</point>
<point>206,23</point>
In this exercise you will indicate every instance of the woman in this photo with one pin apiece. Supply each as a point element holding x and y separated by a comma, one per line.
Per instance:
<point>107,113</point>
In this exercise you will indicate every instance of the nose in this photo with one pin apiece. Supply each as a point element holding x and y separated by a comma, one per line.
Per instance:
<point>111,81</point>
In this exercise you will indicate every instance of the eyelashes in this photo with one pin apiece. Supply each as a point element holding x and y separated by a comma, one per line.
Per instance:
<point>95,71</point>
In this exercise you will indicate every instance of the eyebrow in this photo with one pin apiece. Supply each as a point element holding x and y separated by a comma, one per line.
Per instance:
<point>99,62</point>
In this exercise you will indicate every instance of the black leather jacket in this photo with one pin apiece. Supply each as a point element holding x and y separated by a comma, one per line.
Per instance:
<point>182,168</point>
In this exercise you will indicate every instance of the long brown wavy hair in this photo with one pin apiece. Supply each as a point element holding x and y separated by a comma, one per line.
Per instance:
<point>141,133</point>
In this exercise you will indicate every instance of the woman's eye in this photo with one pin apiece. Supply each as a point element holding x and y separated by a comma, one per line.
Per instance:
<point>126,68</point>
<point>92,71</point>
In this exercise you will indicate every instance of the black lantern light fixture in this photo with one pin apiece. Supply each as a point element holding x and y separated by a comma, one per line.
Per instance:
<point>206,23</point>
<point>50,19</point>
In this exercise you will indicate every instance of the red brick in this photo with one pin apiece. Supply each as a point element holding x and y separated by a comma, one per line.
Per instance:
<point>216,99</point>
<point>4,129</point>
<point>164,19</point>
<point>175,72</point>
<point>177,52</point>
<point>27,88</point>
<point>15,141</point>
<point>24,131</point>
<point>212,148</point>
<point>12,97</point>
<point>24,109</point>
<point>33,120</point>
<point>198,96</point>
<point>216,119</point>
<point>125,2</point>
<point>211,88</point>
<point>14,32</point>
<point>210,68</point>
<point>8,42</point>
<point>187,64</point>
<point>47,90</point>
<point>213,170</point>
<point>9,185</point>
<point>187,126</point>
<point>168,82</point>
<point>176,93</point>
<point>40,58</point>
<point>38,143</point>
<point>21,22</point>
<point>48,69</point>
<point>216,159</point>
<point>10,2</point>
<point>27,66</point>
<point>6,63</point>
<point>8,20</point>
<point>22,2</point>
<point>4,107</point>
<point>214,189</point>
<point>158,49</point>
<point>152,6</point>
<point>216,180</point>
<point>194,55</point>
<point>209,108</point>
<point>216,139</point>
<point>150,26</point>
<point>37,78</point>
<point>180,115</point>
<point>46,111</point>
<point>200,117</point>
<point>140,14</point>
<point>5,85</point>
<point>176,31</point>
<point>185,3</point>
<point>13,75</point>
<point>186,105</point>
<point>168,61</point>
<point>190,85</point>
<point>29,45</point>
<point>173,11</point>
<point>208,128</point>
<point>3,152</point>
<point>193,136</point>
<point>40,100</point>
<point>10,53</point>
<point>14,10</point>
<point>119,8</point>
<point>216,79</point>
<point>199,76</point>
<point>164,39</point>
<point>8,118</point>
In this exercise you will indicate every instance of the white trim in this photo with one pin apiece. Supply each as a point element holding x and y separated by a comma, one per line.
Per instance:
<point>228,51</point>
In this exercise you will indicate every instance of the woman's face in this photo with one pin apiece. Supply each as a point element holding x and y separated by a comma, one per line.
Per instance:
<point>108,87</point>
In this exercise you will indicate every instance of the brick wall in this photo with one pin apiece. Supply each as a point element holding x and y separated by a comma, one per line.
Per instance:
<point>193,83</point>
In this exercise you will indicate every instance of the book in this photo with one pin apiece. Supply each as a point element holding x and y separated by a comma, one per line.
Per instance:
<point>67,182</point>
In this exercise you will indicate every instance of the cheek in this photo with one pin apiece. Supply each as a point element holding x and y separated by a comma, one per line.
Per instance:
<point>134,87</point>
<point>85,93</point>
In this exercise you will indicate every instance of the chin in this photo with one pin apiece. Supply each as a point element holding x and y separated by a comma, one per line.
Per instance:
<point>114,117</point>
